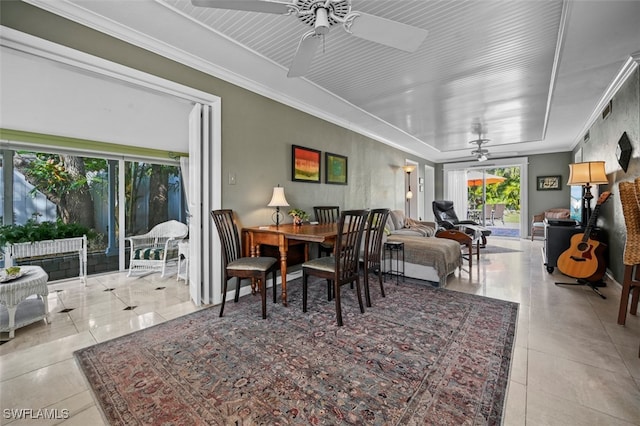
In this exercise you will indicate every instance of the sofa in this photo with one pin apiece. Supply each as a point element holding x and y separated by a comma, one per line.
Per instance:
<point>426,257</point>
<point>399,224</point>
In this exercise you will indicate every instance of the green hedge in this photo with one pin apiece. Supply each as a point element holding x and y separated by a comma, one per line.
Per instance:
<point>33,231</point>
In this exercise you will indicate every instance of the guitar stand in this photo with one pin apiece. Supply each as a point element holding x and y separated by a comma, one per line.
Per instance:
<point>591,284</point>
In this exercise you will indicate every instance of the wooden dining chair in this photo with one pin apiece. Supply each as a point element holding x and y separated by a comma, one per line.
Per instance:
<point>326,214</point>
<point>234,265</point>
<point>373,249</point>
<point>344,266</point>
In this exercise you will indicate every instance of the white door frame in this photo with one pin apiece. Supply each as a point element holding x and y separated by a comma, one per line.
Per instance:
<point>429,192</point>
<point>207,162</point>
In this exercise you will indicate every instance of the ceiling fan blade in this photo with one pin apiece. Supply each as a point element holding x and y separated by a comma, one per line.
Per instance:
<point>304,55</point>
<point>248,5</point>
<point>385,31</point>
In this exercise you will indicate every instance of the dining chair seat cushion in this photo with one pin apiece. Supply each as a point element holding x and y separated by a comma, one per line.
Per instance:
<point>252,263</point>
<point>326,264</point>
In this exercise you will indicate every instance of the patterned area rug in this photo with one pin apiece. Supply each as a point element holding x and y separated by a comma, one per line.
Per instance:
<point>419,356</point>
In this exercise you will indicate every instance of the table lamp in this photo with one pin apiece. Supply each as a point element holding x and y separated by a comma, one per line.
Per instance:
<point>277,200</point>
<point>587,174</point>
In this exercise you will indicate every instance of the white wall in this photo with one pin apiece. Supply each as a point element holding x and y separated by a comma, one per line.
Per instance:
<point>43,96</point>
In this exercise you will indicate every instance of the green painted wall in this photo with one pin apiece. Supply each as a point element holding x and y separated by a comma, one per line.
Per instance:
<point>257,133</point>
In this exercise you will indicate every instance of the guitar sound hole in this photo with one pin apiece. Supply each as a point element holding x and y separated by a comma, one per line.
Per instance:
<point>583,246</point>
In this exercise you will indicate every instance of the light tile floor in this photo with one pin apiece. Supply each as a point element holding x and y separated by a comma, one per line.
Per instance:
<point>572,365</point>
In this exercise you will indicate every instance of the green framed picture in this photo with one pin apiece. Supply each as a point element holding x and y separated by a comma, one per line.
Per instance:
<point>335,169</point>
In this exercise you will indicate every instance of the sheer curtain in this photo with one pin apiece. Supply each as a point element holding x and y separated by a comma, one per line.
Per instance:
<point>456,191</point>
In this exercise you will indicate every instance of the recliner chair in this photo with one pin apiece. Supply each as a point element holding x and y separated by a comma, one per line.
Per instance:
<point>447,218</point>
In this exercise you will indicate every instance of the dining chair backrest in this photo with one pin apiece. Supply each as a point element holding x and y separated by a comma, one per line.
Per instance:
<point>376,222</point>
<point>228,233</point>
<point>235,266</point>
<point>347,252</point>
<point>488,211</point>
<point>327,214</point>
<point>373,238</point>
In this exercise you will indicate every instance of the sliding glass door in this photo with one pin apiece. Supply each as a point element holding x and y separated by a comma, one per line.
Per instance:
<point>490,194</point>
<point>84,190</point>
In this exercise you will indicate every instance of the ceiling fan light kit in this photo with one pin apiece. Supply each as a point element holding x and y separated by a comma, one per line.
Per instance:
<point>323,14</point>
<point>480,153</point>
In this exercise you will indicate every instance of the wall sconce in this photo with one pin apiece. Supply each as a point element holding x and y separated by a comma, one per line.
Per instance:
<point>409,195</point>
<point>586,174</point>
<point>277,200</point>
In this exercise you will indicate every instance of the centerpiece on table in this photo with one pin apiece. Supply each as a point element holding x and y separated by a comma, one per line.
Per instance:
<point>299,216</point>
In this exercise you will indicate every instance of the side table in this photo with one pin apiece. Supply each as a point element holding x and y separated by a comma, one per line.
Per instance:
<point>12,293</point>
<point>465,240</point>
<point>394,249</point>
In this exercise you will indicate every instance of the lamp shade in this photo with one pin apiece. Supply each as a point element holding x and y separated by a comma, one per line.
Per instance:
<point>408,168</point>
<point>278,199</point>
<point>591,172</point>
<point>409,195</point>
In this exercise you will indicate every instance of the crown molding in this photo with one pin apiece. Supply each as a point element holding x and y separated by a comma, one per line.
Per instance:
<point>630,65</point>
<point>36,46</point>
<point>562,33</point>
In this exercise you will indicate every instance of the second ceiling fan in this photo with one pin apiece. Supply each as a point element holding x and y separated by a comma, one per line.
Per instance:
<point>323,14</point>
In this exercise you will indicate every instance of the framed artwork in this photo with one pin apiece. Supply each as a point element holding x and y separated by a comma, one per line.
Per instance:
<point>547,183</point>
<point>305,164</point>
<point>335,169</point>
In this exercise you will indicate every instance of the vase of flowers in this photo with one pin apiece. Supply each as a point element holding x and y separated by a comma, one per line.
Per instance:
<point>298,215</point>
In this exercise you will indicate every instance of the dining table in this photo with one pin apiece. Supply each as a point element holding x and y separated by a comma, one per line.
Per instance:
<point>285,236</point>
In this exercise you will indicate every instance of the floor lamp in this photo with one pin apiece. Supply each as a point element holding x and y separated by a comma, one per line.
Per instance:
<point>409,195</point>
<point>585,175</point>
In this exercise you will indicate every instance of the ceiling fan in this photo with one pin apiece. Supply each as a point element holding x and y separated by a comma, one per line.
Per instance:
<point>480,153</point>
<point>323,14</point>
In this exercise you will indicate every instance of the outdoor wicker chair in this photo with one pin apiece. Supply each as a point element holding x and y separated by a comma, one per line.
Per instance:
<point>151,252</point>
<point>630,197</point>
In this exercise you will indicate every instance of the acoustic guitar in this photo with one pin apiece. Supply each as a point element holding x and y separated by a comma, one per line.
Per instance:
<point>584,258</point>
